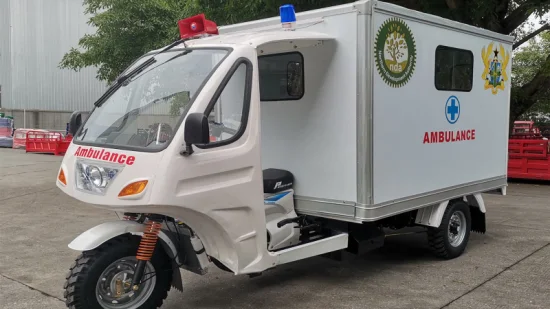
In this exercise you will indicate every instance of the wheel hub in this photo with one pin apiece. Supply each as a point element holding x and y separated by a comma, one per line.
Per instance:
<point>121,283</point>
<point>457,228</point>
<point>114,287</point>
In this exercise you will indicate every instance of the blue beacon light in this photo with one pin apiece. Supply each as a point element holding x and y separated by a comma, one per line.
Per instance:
<point>288,16</point>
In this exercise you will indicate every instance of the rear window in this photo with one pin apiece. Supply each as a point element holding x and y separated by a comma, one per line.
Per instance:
<point>281,77</point>
<point>454,69</point>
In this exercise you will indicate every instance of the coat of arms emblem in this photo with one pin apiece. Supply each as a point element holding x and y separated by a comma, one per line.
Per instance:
<point>496,61</point>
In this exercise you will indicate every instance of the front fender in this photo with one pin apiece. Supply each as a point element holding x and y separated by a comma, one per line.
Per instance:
<point>97,235</point>
<point>100,234</point>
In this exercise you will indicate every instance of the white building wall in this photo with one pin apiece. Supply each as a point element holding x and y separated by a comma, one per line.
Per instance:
<point>42,31</point>
<point>5,55</point>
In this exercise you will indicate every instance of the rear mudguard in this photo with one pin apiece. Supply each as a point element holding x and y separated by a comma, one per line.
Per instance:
<point>432,215</point>
<point>191,250</point>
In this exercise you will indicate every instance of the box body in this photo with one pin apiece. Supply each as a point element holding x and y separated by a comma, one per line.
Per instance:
<point>404,110</point>
<point>418,148</point>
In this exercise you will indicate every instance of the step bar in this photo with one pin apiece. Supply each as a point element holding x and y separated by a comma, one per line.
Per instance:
<point>314,248</point>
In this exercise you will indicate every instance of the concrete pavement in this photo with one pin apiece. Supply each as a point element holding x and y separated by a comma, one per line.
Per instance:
<point>505,268</point>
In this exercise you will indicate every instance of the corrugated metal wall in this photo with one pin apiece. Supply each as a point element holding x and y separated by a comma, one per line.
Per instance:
<point>5,55</point>
<point>42,31</point>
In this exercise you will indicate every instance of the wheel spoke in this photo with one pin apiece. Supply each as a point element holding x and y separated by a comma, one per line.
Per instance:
<point>114,290</point>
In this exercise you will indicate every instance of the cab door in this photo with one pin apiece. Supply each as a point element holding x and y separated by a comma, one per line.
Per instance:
<point>222,181</point>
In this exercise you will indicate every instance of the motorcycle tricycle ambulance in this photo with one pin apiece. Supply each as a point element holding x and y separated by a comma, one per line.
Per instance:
<point>255,145</point>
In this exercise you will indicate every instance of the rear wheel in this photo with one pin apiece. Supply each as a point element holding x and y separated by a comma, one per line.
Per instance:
<point>449,240</point>
<point>101,278</point>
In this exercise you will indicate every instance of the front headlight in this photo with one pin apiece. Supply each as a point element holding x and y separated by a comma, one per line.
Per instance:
<point>94,178</point>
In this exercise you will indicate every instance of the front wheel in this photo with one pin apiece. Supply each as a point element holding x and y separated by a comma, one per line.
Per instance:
<point>449,240</point>
<point>101,278</point>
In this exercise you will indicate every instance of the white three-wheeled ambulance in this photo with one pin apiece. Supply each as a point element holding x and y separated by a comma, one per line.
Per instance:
<point>267,142</point>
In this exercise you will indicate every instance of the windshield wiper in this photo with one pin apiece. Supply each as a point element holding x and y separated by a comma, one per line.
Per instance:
<point>127,77</point>
<point>183,53</point>
<point>122,79</point>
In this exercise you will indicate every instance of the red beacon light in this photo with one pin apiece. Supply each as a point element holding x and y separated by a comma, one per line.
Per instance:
<point>196,26</point>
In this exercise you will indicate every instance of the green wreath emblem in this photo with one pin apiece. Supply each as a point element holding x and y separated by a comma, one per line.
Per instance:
<point>395,52</point>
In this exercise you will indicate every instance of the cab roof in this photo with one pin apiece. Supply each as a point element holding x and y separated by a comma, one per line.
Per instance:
<point>278,40</point>
<point>260,38</point>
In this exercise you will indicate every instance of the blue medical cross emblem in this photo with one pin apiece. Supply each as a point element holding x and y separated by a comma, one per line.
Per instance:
<point>452,109</point>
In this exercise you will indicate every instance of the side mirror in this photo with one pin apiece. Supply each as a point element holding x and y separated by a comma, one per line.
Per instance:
<point>75,123</point>
<point>196,132</point>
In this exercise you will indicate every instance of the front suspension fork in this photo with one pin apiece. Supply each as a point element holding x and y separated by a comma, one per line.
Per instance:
<point>146,249</point>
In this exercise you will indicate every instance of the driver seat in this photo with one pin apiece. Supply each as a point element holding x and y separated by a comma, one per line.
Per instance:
<point>277,180</point>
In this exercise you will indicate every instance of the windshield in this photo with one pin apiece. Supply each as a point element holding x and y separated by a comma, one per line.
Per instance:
<point>145,112</point>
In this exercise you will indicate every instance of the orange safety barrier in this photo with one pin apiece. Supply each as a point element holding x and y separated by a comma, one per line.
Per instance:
<point>47,142</point>
<point>528,159</point>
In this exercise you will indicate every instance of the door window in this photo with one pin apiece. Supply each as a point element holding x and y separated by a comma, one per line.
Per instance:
<point>228,112</point>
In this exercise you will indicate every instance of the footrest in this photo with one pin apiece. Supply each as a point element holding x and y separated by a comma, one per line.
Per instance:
<point>314,248</point>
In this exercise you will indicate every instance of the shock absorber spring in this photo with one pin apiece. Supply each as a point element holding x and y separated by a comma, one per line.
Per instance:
<point>148,241</point>
<point>146,249</point>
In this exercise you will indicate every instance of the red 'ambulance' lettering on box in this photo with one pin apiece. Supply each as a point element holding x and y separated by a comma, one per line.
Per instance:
<point>104,155</point>
<point>449,136</point>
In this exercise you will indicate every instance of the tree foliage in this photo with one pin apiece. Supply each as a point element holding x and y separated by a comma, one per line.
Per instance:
<point>127,29</point>
<point>527,63</point>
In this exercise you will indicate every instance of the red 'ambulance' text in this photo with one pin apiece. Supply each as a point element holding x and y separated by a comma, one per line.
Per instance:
<point>449,136</point>
<point>105,155</point>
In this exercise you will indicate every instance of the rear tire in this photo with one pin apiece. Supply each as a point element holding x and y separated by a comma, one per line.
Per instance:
<point>450,239</point>
<point>81,287</point>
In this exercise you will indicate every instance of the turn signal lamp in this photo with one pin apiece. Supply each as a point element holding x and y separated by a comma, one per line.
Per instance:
<point>133,188</point>
<point>196,26</point>
<point>61,177</point>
